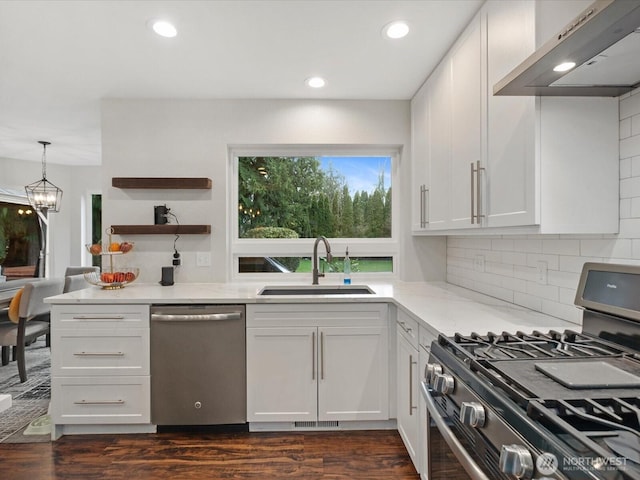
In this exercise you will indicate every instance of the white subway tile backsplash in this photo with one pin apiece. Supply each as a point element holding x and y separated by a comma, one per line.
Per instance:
<point>635,125</point>
<point>548,292</point>
<point>626,208</point>
<point>630,187</point>
<point>497,268</point>
<point>568,295</point>
<point>625,168</point>
<point>503,244</point>
<point>634,208</point>
<point>625,128</point>
<point>562,279</point>
<point>511,261</point>
<point>561,247</point>
<point>629,228</point>
<point>525,273</point>
<point>629,146</point>
<point>629,106</point>
<point>635,167</point>
<point>551,260</point>
<point>606,248</point>
<point>515,258</point>
<point>575,264</point>
<point>529,245</point>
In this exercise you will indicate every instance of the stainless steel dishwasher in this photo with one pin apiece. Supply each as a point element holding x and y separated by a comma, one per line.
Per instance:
<point>198,365</point>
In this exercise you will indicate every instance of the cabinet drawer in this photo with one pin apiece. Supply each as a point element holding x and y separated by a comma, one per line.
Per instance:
<point>100,352</point>
<point>408,328</point>
<point>99,316</point>
<point>100,400</point>
<point>427,336</point>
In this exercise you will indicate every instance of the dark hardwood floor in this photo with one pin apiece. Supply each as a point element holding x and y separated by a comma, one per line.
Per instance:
<point>353,455</point>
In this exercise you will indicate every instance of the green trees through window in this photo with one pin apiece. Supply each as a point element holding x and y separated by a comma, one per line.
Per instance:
<point>338,196</point>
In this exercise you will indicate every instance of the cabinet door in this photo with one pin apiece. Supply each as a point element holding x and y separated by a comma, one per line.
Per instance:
<point>419,160</point>
<point>511,184</point>
<point>407,396</point>
<point>439,138</point>
<point>353,373</point>
<point>281,374</point>
<point>466,122</point>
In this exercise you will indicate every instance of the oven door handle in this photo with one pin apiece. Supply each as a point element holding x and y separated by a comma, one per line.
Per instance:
<point>456,447</point>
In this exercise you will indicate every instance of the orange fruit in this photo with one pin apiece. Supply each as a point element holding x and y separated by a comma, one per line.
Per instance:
<point>114,247</point>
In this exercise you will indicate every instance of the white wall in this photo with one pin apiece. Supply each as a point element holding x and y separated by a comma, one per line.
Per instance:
<point>510,261</point>
<point>191,138</point>
<point>65,240</point>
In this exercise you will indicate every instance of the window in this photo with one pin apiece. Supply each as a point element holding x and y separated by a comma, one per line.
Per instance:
<point>19,240</point>
<point>96,226</point>
<point>285,199</point>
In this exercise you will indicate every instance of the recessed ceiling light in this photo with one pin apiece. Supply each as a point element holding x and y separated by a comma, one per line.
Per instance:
<point>315,82</point>
<point>563,67</point>
<point>396,30</point>
<point>164,28</point>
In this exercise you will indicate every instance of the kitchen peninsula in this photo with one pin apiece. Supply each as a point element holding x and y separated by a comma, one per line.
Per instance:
<point>100,339</point>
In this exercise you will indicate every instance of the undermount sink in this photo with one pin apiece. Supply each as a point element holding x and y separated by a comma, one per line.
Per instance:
<point>317,290</point>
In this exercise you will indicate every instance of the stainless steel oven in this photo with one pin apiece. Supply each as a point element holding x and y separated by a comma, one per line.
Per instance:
<point>542,405</point>
<point>466,438</point>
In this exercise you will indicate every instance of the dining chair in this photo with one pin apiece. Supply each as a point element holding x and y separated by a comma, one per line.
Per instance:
<point>76,270</point>
<point>32,320</point>
<point>75,282</point>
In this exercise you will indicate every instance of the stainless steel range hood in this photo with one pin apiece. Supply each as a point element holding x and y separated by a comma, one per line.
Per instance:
<point>604,43</point>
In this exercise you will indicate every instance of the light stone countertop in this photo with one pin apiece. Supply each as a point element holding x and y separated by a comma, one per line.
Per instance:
<point>446,308</point>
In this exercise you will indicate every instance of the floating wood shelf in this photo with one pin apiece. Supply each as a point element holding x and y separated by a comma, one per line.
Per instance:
<point>162,182</point>
<point>161,229</point>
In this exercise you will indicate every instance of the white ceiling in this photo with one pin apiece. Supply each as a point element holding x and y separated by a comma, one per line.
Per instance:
<point>58,59</point>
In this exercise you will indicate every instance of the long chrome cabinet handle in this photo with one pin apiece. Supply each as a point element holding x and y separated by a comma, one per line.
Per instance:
<point>476,193</point>
<point>313,355</point>
<point>479,169</point>
<point>424,192</point>
<point>426,206</point>
<point>456,447</point>
<point>99,402</point>
<point>98,317</point>
<point>473,196</point>
<point>411,364</point>
<point>99,354</point>
<point>200,317</point>
<point>321,355</point>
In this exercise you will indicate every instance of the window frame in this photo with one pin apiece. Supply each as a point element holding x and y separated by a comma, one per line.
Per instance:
<point>303,247</point>
<point>20,198</point>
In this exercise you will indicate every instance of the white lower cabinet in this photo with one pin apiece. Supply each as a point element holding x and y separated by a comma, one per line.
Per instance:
<point>99,368</point>
<point>317,362</point>
<point>407,379</point>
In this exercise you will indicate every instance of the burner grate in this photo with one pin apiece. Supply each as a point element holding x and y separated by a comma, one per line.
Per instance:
<point>533,345</point>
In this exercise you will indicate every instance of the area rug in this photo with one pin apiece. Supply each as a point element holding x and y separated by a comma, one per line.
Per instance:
<point>30,400</point>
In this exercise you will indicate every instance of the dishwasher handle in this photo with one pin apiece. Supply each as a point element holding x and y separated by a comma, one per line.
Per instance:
<point>195,317</point>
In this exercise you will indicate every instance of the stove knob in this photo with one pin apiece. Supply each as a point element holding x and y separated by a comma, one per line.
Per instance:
<point>431,370</point>
<point>443,383</point>
<point>472,414</point>
<point>517,461</point>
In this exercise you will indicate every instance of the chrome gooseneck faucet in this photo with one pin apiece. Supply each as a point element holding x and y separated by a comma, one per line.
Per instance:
<point>316,274</point>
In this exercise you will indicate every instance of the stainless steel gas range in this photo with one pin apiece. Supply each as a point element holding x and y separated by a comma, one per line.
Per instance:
<point>544,405</point>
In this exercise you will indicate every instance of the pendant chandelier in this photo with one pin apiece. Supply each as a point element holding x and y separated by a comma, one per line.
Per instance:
<point>43,195</point>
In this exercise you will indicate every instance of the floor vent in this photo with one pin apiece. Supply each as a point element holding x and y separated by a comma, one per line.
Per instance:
<point>316,425</point>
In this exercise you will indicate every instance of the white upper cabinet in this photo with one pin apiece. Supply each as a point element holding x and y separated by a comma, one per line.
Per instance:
<point>542,164</point>
<point>446,115</point>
